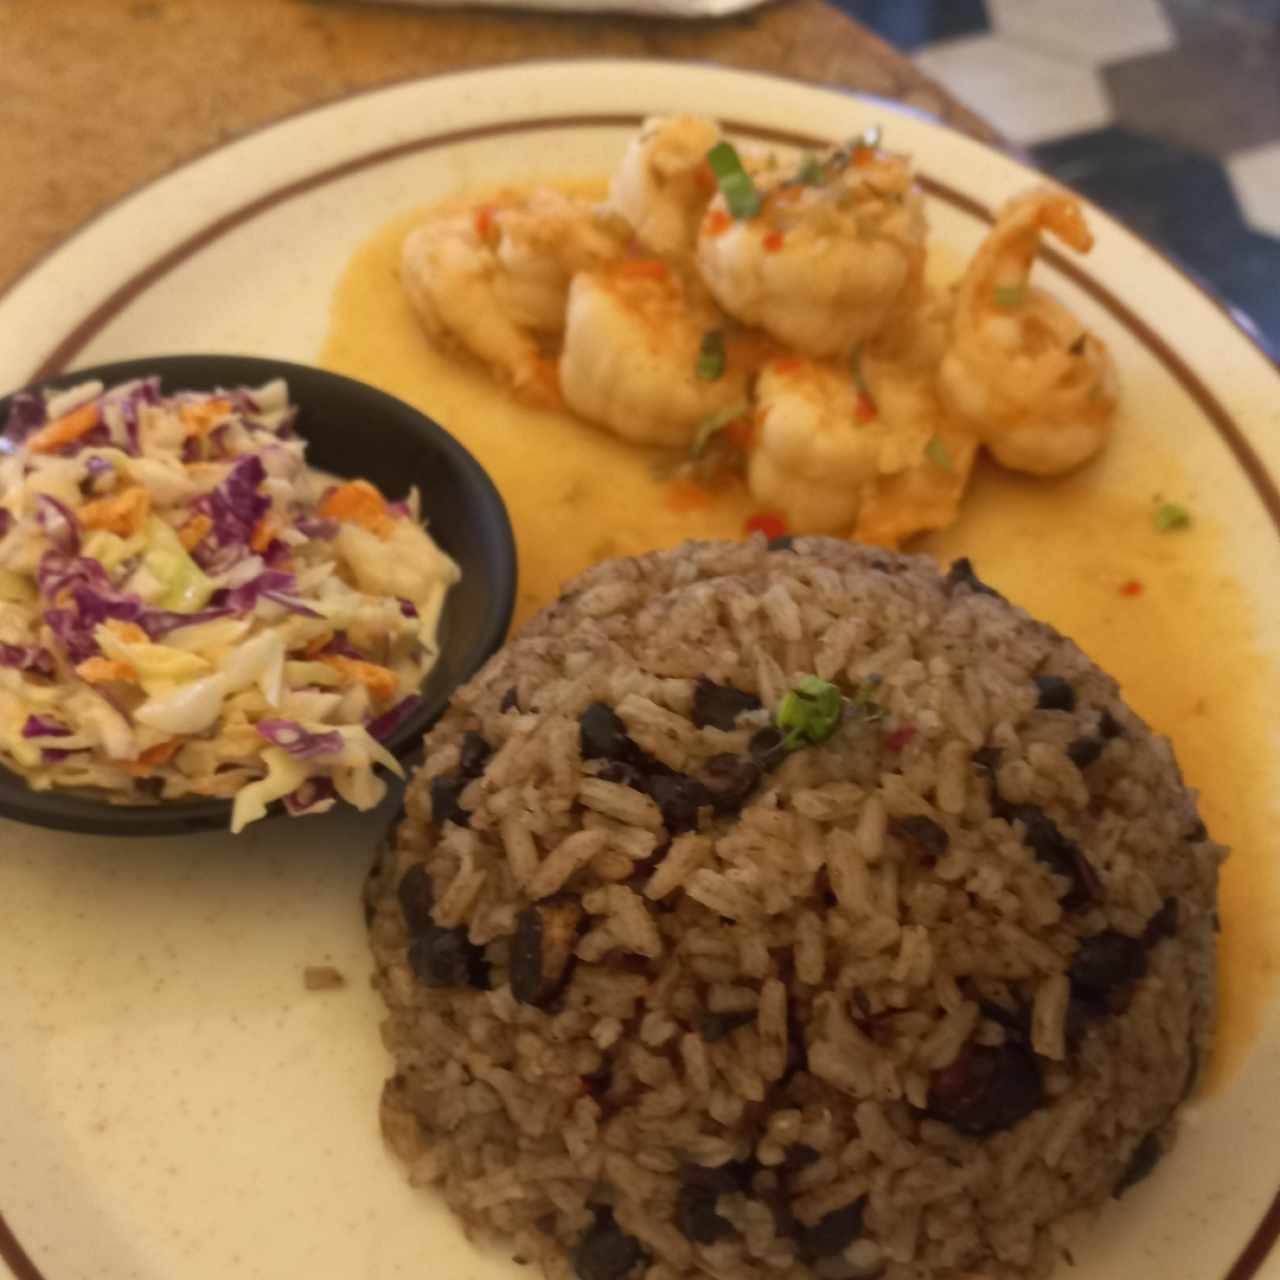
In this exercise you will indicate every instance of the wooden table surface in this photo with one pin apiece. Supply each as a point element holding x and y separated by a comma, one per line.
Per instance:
<point>101,95</point>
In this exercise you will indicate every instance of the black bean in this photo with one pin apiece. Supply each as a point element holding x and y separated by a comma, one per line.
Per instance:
<point>929,838</point>
<point>1081,1011</point>
<point>799,1156</point>
<point>474,754</point>
<point>1105,963</point>
<point>1061,855</point>
<point>1082,752</point>
<point>542,949</point>
<point>1056,694</point>
<point>961,574</point>
<point>1109,726</point>
<point>602,734</point>
<point>715,1026</point>
<point>446,792</point>
<point>730,779</point>
<point>695,1210</point>
<point>605,1251</point>
<point>766,748</point>
<point>1164,924</point>
<point>445,958</point>
<point>783,542</point>
<point>720,705</point>
<point>1146,1155</point>
<point>598,1082</point>
<point>510,700</point>
<point>679,797</point>
<point>624,773</point>
<point>833,1233</point>
<point>986,1089</point>
<point>416,898</point>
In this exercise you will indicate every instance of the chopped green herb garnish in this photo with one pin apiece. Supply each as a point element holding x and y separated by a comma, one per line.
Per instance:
<point>713,425</point>
<point>1010,295</point>
<point>1170,516</point>
<point>938,453</point>
<point>812,173</point>
<point>711,355</point>
<point>810,713</point>
<point>855,368</point>
<point>735,183</point>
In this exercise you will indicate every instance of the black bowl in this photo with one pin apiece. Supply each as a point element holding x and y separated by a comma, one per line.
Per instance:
<point>352,430</point>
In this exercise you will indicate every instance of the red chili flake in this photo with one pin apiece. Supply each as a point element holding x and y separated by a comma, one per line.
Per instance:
<point>773,241</point>
<point>866,409</point>
<point>483,220</point>
<point>770,523</point>
<point>1131,588</point>
<point>716,223</point>
<point>899,738</point>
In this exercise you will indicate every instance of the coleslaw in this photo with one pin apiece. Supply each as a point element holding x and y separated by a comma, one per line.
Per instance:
<point>188,609</point>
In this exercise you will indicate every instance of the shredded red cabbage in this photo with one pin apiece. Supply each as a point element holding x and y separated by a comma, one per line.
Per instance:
<point>95,468</point>
<point>28,658</point>
<point>271,584</point>
<point>309,796</point>
<point>159,622</point>
<point>59,524</point>
<point>343,647</point>
<point>235,507</point>
<point>318,527</point>
<point>86,597</point>
<point>56,755</point>
<point>44,727</point>
<point>407,607</point>
<point>383,726</point>
<point>298,741</point>
<point>27,413</point>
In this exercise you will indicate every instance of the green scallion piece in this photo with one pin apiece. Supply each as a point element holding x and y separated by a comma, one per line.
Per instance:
<point>812,173</point>
<point>711,357</point>
<point>1010,295</point>
<point>855,368</point>
<point>1170,516</point>
<point>713,425</point>
<point>735,183</point>
<point>810,713</point>
<point>938,453</point>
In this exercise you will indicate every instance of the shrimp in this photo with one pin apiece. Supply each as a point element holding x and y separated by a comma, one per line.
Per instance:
<point>495,279</point>
<point>662,186</point>
<point>1037,388</point>
<point>921,486</point>
<point>631,348</point>
<point>829,256</point>
<point>819,445</point>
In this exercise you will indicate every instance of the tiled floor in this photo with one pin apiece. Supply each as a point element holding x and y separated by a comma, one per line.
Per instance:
<point>1166,112</point>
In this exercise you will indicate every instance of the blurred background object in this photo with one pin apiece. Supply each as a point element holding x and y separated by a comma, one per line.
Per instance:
<point>1164,112</point>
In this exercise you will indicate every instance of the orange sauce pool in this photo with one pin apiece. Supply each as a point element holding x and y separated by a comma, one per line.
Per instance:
<point>1184,646</point>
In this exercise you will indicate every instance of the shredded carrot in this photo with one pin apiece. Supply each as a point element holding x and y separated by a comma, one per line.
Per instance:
<point>381,682</point>
<point>788,364</point>
<point>773,241</point>
<point>102,670</point>
<point>65,430</point>
<point>160,754</point>
<point>129,632</point>
<point>263,535</point>
<point>643,269</point>
<point>193,532</point>
<point>319,644</point>
<point>682,495</point>
<point>864,156</point>
<point>200,419</point>
<point>358,502</point>
<point>122,513</point>
<point>716,223</point>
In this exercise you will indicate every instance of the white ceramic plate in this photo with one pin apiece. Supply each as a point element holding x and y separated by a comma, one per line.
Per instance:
<point>172,1102</point>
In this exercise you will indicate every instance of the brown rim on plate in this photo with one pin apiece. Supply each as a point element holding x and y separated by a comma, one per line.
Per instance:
<point>1259,1245</point>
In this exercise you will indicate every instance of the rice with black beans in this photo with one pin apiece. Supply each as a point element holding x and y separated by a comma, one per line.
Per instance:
<point>667,999</point>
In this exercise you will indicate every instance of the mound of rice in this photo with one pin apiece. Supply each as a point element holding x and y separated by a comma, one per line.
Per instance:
<point>671,995</point>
